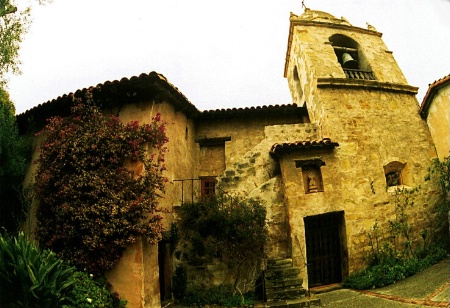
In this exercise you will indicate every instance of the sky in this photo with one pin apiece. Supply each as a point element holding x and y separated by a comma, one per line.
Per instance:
<point>219,54</point>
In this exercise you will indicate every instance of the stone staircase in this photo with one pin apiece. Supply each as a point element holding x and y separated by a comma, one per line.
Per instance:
<point>284,286</point>
<point>282,280</point>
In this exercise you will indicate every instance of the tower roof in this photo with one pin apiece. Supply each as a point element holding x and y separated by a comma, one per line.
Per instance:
<point>321,19</point>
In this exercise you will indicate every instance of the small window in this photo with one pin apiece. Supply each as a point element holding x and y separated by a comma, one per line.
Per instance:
<point>208,189</point>
<point>393,178</point>
<point>393,173</point>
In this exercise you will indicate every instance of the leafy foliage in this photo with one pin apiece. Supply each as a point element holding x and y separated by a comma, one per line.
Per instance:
<point>30,278</point>
<point>13,25</point>
<point>222,295</point>
<point>231,229</point>
<point>392,256</point>
<point>394,269</point>
<point>97,187</point>
<point>88,292</point>
<point>441,171</point>
<point>14,158</point>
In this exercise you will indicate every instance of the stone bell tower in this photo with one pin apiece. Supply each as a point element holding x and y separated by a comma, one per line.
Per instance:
<point>359,98</point>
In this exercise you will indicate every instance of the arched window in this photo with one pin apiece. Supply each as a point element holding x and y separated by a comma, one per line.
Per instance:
<point>351,58</point>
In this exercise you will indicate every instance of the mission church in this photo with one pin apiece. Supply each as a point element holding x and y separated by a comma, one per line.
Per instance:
<point>327,165</point>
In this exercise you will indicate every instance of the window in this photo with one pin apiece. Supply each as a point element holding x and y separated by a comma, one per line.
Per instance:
<point>393,173</point>
<point>351,58</point>
<point>208,187</point>
<point>393,178</point>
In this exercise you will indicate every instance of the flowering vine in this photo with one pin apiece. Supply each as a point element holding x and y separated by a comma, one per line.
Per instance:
<point>97,185</point>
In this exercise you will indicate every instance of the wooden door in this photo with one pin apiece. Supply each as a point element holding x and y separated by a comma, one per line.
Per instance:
<point>323,248</point>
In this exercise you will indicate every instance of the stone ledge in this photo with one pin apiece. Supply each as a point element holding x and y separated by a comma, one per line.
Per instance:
<point>365,84</point>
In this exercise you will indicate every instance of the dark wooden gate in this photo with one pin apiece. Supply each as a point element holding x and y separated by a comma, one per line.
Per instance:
<point>323,248</point>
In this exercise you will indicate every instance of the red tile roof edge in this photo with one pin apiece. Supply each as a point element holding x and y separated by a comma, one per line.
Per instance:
<point>431,92</point>
<point>280,148</point>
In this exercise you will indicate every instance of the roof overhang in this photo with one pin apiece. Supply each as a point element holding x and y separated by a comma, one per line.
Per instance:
<point>433,89</point>
<point>279,149</point>
<point>110,94</point>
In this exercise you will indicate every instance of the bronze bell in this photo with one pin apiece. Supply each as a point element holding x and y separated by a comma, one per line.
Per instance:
<point>348,61</point>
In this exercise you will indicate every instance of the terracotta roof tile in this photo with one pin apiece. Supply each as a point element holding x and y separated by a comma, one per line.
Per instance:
<point>279,149</point>
<point>152,86</point>
<point>431,92</point>
<point>258,110</point>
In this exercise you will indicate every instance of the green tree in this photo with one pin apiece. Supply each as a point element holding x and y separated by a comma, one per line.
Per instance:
<point>13,163</point>
<point>14,24</point>
<point>98,187</point>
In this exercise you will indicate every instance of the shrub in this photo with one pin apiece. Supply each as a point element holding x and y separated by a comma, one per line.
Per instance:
<point>223,295</point>
<point>388,273</point>
<point>14,159</point>
<point>30,278</point>
<point>88,292</point>
<point>231,229</point>
<point>91,205</point>
<point>392,256</point>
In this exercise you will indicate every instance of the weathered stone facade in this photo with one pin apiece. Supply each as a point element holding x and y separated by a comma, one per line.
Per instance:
<point>320,163</point>
<point>371,111</point>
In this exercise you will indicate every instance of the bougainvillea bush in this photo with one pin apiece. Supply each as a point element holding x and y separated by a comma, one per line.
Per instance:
<point>97,185</point>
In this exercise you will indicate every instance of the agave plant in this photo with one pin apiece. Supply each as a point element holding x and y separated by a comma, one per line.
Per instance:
<point>29,277</point>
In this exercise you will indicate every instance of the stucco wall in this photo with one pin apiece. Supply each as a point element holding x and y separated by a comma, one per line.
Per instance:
<point>135,277</point>
<point>438,121</point>
<point>141,260</point>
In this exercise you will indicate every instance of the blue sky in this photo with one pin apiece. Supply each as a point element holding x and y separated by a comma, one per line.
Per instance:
<point>220,54</point>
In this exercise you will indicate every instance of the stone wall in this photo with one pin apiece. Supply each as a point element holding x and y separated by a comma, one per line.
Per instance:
<point>376,122</point>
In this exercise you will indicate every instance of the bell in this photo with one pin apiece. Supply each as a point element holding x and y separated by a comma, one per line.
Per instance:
<point>348,61</point>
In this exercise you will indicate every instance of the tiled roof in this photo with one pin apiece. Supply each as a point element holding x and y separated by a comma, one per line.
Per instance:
<point>110,94</point>
<point>279,149</point>
<point>259,110</point>
<point>145,87</point>
<point>431,92</point>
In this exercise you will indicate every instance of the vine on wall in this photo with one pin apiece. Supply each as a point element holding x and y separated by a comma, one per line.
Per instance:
<point>92,204</point>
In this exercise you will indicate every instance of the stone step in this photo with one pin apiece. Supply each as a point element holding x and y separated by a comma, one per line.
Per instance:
<point>283,283</point>
<point>276,263</point>
<point>290,293</point>
<point>283,272</point>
